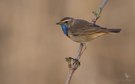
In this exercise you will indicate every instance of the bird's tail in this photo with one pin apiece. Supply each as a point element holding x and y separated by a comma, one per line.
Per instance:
<point>114,30</point>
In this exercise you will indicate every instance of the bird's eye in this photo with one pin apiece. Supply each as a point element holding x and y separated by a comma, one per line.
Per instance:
<point>66,21</point>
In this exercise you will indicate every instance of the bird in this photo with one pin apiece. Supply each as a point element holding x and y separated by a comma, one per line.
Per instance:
<point>83,31</point>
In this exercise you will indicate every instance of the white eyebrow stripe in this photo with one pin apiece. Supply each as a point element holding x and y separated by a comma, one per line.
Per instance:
<point>66,20</point>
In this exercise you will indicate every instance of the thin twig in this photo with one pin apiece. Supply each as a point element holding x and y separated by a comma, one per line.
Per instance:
<point>103,4</point>
<point>73,63</point>
<point>99,11</point>
<point>70,74</point>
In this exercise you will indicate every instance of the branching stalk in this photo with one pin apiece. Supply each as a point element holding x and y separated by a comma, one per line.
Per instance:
<point>99,11</point>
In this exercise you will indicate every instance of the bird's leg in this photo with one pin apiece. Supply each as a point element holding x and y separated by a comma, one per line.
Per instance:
<point>84,48</point>
<point>81,49</point>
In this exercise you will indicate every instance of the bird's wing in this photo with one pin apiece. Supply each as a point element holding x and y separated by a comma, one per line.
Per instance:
<point>82,27</point>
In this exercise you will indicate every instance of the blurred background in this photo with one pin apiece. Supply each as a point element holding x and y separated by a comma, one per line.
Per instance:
<point>33,48</point>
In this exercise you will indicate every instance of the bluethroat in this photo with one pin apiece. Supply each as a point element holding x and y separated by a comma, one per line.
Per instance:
<point>83,31</point>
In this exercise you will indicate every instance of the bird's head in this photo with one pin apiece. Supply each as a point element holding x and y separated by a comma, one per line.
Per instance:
<point>65,24</point>
<point>66,21</point>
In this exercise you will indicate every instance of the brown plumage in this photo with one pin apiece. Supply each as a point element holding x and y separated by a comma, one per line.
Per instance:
<point>81,31</point>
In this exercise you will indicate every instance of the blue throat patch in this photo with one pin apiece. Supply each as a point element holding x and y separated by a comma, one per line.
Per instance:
<point>65,29</point>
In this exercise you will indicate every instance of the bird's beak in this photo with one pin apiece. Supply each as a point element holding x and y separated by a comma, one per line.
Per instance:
<point>58,23</point>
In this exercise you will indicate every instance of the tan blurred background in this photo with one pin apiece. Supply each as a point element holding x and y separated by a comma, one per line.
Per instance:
<point>33,48</point>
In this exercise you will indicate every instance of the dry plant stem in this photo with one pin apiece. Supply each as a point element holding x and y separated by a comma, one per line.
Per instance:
<point>70,74</point>
<point>98,13</point>
<point>103,4</point>
<point>74,65</point>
